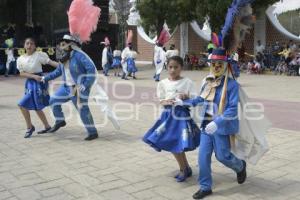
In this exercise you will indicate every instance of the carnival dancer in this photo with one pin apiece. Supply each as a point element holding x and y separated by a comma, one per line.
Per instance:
<point>36,93</point>
<point>78,76</point>
<point>159,60</point>
<point>125,52</point>
<point>106,56</point>
<point>217,128</point>
<point>79,71</point>
<point>232,140</point>
<point>130,57</point>
<point>159,53</point>
<point>116,65</point>
<point>172,52</point>
<point>175,131</point>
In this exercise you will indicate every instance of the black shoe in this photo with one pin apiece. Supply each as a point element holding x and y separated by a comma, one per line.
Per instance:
<point>57,126</point>
<point>29,132</point>
<point>241,176</point>
<point>134,77</point>
<point>44,131</point>
<point>91,137</point>
<point>200,194</point>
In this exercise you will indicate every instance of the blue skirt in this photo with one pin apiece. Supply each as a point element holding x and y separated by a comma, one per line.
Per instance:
<point>131,68</point>
<point>174,132</point>
<point>36,95</point>
<point>116,62</point>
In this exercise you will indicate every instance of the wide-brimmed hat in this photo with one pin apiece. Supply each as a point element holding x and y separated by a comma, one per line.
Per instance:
<point>218,54</point>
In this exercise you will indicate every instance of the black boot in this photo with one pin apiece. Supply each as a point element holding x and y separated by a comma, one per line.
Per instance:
<point>57,126</point>
<point>200,194</point>
<point>242,175</point>
<point>91,137</point>
<point>44,131</point>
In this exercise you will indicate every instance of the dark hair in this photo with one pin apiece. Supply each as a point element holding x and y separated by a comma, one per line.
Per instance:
<point>30,38</point>
<point>177,59</point>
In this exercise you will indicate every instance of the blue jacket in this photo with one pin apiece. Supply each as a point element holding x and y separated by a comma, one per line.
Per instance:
<point>82,70</point>
<point>228,123</point>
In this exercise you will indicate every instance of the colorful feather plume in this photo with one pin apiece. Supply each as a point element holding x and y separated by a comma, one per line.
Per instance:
<point>238,21</point>
<point>164,35</point>
<point>83,19</point>
<point>129,37</point>
<point>215,39</point>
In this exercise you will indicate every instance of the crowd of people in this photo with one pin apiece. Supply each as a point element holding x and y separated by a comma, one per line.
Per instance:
<point>277,58</point>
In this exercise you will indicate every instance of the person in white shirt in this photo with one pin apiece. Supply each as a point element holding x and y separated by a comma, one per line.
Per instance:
<point>129,58</point>
<point>159,60</point>
<point>172,52</point>
<point>175,131</point>
<point>106,56</point>
<point>10,58</point>
<point>124,54</point>
<point>36,93</point>
<point>259,47</point>
<point>116,65</point>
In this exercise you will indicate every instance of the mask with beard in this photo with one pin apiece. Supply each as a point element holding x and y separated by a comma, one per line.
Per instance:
<point>63,52</point>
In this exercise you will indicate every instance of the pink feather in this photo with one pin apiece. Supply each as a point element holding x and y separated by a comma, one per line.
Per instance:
<point>215,39</point>
<point>129,36</point>
<point>164,36</point>
<point>83,18</point>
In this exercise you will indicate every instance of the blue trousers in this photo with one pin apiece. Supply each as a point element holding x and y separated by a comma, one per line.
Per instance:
<point>106,69</point>
<point>63,95</point>
<point>220,144</point>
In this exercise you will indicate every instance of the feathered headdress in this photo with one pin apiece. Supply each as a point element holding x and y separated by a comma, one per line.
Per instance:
<point>238,21</point>
<point>83,19</point>
<point>164,35</point>
<point>129,37</point>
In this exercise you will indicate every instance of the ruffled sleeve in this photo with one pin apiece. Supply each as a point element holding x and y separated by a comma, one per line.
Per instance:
<point>43,58</point>
<point>20,64</point>
<point>160,91</point>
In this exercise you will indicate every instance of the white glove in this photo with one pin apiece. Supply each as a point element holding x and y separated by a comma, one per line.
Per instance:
<point>211,128</point>
<point>43,79</point>
<point>178,102</point>
<point>82,88</point>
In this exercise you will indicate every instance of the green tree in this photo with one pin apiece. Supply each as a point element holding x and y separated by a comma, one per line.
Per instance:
<point>156,12</point>
<point>122,8</point>
<point>216,11</point>
<point>174,12</point>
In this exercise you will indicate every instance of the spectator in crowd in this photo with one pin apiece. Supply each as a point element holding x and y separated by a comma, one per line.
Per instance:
<point>275,53</point>
<point>210,47</point>
<point>259,47</point>
<point>187,61</point>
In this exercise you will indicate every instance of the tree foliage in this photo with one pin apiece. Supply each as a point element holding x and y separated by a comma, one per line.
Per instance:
<point>156,12</point>
<point>122,8</point>
<point>174,12</point>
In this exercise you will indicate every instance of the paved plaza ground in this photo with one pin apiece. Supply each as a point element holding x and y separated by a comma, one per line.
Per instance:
<point>119,166</point>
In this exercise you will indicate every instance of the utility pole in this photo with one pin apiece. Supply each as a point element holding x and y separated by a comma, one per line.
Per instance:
<point>29,12</point>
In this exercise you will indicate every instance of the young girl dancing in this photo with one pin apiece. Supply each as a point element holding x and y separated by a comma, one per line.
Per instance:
<point>36,95</point>
<point>175,131</point>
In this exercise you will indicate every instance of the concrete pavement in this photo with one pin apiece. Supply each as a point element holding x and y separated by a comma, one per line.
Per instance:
<point>119,165</point>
